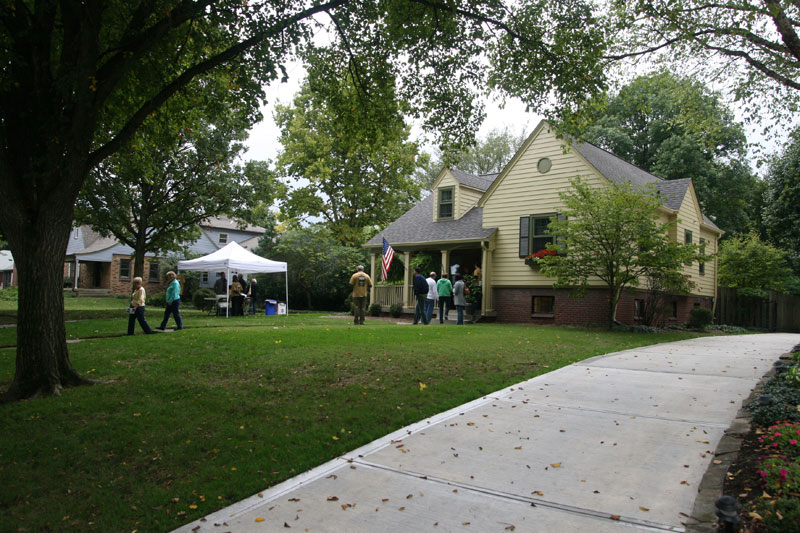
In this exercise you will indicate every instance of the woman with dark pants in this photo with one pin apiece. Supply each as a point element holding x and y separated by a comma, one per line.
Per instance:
<point>137,304</point>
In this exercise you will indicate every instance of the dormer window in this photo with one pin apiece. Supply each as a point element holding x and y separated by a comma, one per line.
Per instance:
<point>445,203</point>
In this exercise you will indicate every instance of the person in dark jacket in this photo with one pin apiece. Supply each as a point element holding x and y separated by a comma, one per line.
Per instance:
<point>421,293</point>
<point>221,285</point>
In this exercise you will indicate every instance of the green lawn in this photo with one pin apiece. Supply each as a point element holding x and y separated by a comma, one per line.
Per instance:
<point>184,423</point>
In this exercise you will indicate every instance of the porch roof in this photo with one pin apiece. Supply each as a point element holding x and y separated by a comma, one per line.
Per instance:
<point>417,226</point>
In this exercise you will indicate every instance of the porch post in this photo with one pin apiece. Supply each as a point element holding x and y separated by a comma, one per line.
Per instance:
<point>407,279</point>
<point>486,261</point>
<point>445,262</point>
<point>77,273</point>
<point>373,275</point>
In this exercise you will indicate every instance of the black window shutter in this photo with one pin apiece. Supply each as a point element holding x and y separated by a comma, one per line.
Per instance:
<point>559,240</point>
<point>524,229</point>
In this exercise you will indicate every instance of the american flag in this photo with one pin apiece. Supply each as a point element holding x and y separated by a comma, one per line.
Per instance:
<point>388,255</point>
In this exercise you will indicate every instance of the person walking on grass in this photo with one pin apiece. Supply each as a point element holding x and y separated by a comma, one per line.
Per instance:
<point>459,300</point>
<point>421,294</point>
<point>137,308</point>
<point>433,295</point>
<point>173,306</point>
<point>445,290</point>
<point>361,283</point>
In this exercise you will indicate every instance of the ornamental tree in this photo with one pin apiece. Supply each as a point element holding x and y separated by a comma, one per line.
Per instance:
<point>611,234</point>
<point>80,78</point>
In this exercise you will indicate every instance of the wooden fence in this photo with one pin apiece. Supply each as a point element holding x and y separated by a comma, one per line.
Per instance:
<point>779,312</point>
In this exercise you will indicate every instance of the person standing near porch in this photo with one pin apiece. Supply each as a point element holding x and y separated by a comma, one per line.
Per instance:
<point>137,308</point>
<point>421,294</point>
<point>433,295</point>
<point>173,302</point>
<point>445,290</point>
<point>361,283</point>
<point>459,300</point>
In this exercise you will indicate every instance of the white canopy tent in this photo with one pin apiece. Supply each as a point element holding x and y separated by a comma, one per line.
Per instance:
<point>234,257</point>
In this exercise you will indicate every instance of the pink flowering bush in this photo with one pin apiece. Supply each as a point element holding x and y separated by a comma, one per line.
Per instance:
<point>780,470</point>
<point>784,437</point>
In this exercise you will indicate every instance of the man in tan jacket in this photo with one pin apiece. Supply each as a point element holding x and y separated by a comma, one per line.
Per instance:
<point>361,283</point>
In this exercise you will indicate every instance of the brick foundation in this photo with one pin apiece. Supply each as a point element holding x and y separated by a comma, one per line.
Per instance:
<point>515,305</point>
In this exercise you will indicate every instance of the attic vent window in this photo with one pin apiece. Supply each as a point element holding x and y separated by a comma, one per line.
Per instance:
<point>544,165</point>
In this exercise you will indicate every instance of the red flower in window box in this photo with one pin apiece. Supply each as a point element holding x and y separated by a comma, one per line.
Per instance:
<point>543,253</point>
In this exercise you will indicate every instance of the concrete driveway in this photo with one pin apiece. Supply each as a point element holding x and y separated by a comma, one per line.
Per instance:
<point>616,442</point>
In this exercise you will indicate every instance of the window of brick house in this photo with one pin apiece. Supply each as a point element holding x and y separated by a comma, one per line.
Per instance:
<point>638,308</point>
<point>124,269</point>
<point>543,305</point>
<point>154,271</point>
<point>674,309</point>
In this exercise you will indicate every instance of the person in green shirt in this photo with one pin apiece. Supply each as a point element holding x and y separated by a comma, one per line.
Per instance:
<point>445,290</point>
<point>173,302</point>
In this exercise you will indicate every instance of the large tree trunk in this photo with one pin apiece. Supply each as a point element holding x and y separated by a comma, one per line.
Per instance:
<point>42,364</point>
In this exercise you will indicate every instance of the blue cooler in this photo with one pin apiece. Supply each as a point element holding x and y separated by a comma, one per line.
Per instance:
<point>270,306</point>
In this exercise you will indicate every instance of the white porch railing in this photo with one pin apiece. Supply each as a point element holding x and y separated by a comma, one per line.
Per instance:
<point>387,295</point>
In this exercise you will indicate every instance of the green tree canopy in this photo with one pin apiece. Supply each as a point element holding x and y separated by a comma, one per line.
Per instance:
<point>352,162</point>
<point>746,262</point>
<point>753,46</point>
<point>177,170</point>
<point>675,128</point>
<point>782,201</point>
<point>613,234</point>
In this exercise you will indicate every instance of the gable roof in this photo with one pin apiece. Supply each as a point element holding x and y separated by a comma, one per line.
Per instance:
<point>223,222</point>
<point>417,226</point>
<point>480,182</point>
<point>672,192</point>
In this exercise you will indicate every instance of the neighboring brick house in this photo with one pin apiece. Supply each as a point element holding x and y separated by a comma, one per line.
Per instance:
<point>494,221</point>
<point>104,265</point>
<point>8,271</point>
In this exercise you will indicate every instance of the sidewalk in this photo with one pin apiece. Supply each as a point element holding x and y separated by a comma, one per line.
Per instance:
<point>616,442</point>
